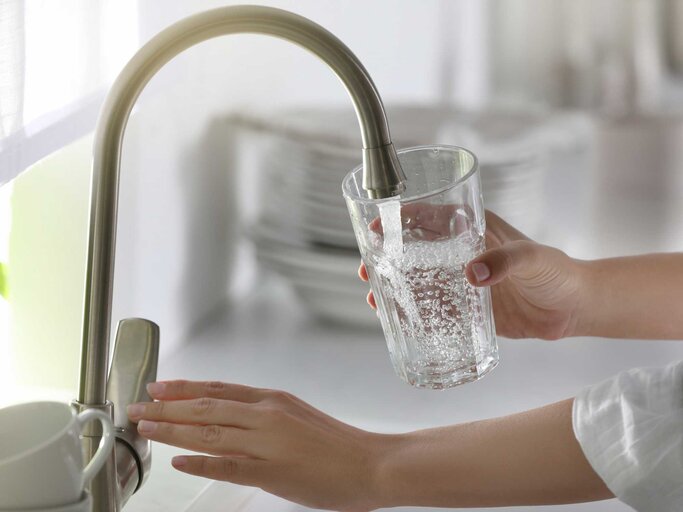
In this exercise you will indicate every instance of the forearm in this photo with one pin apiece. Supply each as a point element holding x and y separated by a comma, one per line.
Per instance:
<point>637,297</point>
<point>525,459</point>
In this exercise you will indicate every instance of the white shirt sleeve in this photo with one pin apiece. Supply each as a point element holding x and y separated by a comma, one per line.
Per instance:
<point>630,428</point>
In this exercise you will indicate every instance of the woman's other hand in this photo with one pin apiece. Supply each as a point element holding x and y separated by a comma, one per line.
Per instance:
<point>267,439</point>
<point>272,440</point>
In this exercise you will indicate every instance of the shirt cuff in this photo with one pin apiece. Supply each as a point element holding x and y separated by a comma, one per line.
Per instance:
<point>630,428</point>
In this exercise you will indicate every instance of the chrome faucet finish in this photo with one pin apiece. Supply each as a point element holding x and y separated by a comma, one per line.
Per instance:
<point>136,353</point>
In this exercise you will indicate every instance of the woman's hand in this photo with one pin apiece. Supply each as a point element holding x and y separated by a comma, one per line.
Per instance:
<point>267,439</point>
<point>537,290</point>
<point>272,440</point>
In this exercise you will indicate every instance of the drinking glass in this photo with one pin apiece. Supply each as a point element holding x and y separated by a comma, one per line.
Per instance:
<point>439,328</point>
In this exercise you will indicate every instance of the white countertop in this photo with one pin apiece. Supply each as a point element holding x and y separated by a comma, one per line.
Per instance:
<point>267,339</point>
<point>348,374</point>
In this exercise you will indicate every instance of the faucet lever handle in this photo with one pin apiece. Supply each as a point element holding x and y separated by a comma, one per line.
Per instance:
<point>133,365</point>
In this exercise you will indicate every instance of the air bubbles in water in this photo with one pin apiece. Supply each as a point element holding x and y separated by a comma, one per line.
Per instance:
<point>426,291</point>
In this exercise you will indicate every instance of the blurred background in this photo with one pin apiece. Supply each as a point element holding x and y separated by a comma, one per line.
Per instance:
<point>234,155</point>
<point>573,107</point>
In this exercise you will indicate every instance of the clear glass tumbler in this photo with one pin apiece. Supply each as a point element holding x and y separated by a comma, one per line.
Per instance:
<point>438,327</point>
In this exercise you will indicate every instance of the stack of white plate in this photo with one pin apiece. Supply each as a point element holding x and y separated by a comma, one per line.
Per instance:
<point>304,232</point>
<point>513,154</point>
<point>302,189</point>
<point>324,278</point>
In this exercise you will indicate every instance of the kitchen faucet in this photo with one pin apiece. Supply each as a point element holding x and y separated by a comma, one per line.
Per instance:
<point>136,350</point>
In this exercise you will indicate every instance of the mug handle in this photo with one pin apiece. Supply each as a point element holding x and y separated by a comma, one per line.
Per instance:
<point>103,451</point>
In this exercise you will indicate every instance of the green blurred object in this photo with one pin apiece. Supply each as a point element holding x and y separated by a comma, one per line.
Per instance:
<point>46,270</point>
<point>4,288</point>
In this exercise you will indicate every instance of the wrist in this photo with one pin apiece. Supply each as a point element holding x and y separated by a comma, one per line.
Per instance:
<point>585,314</point>
<point>390,463</point>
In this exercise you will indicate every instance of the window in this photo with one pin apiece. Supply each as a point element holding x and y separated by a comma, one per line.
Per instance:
<point>6,376</point>
<point>58,59</point>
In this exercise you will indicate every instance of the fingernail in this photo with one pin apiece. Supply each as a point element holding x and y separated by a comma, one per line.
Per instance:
<point>179,462</point>
<point>146,427</point>
<point>135,411</point>
<point>156,388</point>
<point>481,271</point>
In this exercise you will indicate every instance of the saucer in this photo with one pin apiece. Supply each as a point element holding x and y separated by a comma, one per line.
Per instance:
<point>85,505</point>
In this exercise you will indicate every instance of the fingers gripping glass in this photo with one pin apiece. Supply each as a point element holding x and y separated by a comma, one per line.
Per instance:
<point>439,329</point>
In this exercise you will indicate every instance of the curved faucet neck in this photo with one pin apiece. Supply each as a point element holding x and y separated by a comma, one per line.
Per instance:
<point>383,176</point>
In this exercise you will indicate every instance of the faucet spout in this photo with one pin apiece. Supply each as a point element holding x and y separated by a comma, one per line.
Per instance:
<point>383,176</point>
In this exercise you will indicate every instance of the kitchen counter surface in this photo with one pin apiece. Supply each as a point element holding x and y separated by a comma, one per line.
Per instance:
<point>348,375</point>
<point>597,205</point>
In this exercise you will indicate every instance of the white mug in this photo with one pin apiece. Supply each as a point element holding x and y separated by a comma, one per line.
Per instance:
<point>41,459</point>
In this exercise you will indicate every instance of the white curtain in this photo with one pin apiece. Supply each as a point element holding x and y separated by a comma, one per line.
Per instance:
<point>57,59</point>
<point>12,39</point>
<point>11,65</point>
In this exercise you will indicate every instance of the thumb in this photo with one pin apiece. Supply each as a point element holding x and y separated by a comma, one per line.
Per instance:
<point>494,265</point>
